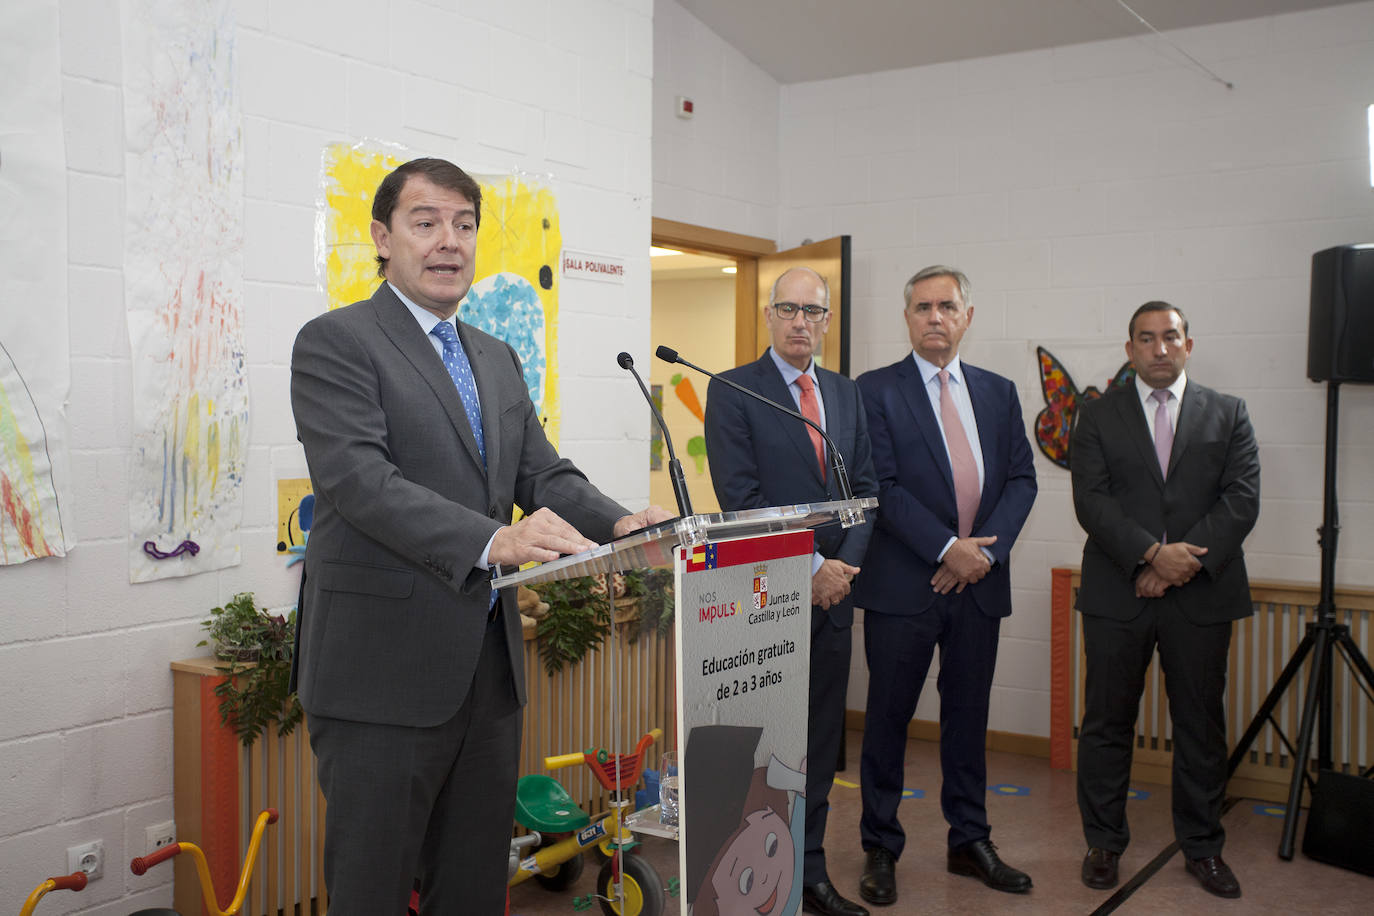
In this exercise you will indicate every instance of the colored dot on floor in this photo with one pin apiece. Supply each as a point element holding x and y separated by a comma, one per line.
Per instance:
<point>1008,789</point>
<point>1270,810</point>
<point>913,793</point>
<point>1137,794</point>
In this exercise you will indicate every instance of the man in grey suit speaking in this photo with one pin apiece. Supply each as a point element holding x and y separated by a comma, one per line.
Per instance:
<point>421,437</point>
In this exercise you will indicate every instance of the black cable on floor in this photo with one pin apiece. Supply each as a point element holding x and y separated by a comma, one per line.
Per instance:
<point>1149,871</point>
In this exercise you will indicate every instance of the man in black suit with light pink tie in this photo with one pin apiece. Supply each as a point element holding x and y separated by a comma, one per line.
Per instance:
<point>1166,484</point>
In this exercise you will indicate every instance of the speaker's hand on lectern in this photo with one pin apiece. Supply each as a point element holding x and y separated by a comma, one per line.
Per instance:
<point>541,536</point>
<point>642,519</point>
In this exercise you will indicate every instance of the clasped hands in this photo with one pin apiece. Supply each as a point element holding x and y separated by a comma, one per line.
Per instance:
<point>964,564</point>
<point>831,583</point>
<point>1168,565</point>
<point>544,536</point>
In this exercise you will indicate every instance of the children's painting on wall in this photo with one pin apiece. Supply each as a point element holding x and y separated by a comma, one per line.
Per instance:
<point>1054,423</point>
<point>183,287</point>
<point>515,293</point>
<point>35,374</point>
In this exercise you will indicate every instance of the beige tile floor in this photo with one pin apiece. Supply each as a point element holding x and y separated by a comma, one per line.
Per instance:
<point>1039,832</point>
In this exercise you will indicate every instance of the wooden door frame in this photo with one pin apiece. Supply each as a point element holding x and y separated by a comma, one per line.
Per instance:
<point>745,249</point>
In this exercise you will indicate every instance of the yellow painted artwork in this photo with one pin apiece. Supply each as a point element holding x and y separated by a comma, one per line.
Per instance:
<point>290,492</point>
<point>515,293</point>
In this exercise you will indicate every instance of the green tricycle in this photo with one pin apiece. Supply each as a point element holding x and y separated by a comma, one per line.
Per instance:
<point>627,885</point>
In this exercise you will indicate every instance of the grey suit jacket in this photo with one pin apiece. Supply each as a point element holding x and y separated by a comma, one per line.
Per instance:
<point>393,609</point>
<point>1124,502</point>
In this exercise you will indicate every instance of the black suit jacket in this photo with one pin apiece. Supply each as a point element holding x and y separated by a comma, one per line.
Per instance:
<point>760,457</point>
<point>393,612</point>
<point>1124,502</point>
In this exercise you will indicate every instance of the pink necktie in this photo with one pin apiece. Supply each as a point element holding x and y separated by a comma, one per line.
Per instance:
<point>961,461</point>
<point>812,411</point>
<point>1164,430</point>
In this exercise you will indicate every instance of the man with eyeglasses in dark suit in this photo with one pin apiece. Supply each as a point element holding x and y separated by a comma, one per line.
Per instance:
<point>761,457</point>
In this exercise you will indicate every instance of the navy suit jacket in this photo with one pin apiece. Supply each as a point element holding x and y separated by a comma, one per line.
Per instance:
<point>760,457</point>
<point>917,513</point>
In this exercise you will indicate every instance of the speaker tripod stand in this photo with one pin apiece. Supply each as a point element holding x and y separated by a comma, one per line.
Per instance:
<point>1323,638</point>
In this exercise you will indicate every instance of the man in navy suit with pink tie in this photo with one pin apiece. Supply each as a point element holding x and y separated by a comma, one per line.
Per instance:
<point>956,482</point>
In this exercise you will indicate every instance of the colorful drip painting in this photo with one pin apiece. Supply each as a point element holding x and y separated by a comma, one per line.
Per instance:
<point>35,374</point>
<point>1054,424</point>
<point>30,524</point>
<point>515,295</point>
<point>183,279</point>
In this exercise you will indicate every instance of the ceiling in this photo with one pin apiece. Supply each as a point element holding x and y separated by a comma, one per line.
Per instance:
<point>800,40</point>
<point>688,266</point>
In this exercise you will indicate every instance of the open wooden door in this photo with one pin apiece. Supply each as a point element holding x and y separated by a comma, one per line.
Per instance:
<point>830,259</point>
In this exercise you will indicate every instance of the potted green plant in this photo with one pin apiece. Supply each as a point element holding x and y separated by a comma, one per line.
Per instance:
<point>653,591</point>
<point>256,648</point>
<point>576,621</point>
<point>578,616</point>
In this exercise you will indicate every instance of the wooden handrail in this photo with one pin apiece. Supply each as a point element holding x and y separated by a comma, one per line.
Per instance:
<point>1261,645</point>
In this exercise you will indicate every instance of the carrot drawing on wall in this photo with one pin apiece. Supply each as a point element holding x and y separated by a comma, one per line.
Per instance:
<point>696,445</point>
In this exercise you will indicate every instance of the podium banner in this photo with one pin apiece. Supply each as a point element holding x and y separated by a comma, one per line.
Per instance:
<point>743,645</point>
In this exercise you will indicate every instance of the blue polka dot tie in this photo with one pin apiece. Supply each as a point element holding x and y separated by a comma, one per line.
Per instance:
<point>460,370</point>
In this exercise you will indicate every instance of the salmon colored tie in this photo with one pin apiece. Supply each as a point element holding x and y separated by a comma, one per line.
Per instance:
<point>961,462</point>
<point>811,409</point>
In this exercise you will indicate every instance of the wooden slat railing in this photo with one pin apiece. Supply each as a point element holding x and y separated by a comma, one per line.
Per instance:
<point>567,712</point>
<point>1261,646</point>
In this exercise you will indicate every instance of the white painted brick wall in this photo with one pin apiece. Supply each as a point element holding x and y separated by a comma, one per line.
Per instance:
<point>562,88</point>
<point>719,169</point>
<point>1074,184</point>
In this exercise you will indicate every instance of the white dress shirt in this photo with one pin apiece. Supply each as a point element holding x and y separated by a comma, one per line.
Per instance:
<point>1148,404</point>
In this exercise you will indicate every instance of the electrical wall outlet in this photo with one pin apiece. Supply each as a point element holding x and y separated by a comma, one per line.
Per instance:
<point>88,857</point>
<point>160,835</point>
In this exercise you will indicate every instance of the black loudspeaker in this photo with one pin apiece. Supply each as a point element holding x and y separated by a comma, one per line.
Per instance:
<point>1340,328</point>
<point>1340,823</point>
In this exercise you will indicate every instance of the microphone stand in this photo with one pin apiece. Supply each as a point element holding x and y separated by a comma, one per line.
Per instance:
<point>684,502</point>
<point>848,517</point>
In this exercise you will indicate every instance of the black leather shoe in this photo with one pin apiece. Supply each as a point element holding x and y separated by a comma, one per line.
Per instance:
<point>979,860</point>
<point>824,900</point>
<point>879,882</point>
<point>1099,868</point>
<point>1215,876</point>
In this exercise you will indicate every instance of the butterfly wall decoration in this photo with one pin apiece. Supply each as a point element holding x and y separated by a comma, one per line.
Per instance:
<point>1062,399</point>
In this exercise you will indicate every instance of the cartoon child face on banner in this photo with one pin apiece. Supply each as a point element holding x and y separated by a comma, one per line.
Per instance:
<point>753,874</point>
<point>745,848</point>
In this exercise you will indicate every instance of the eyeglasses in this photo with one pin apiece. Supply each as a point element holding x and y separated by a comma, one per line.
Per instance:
<point>812,313</point>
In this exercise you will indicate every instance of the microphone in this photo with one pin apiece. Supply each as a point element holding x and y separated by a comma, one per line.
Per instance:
<point>848,517</point>
<point>684,503</point>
